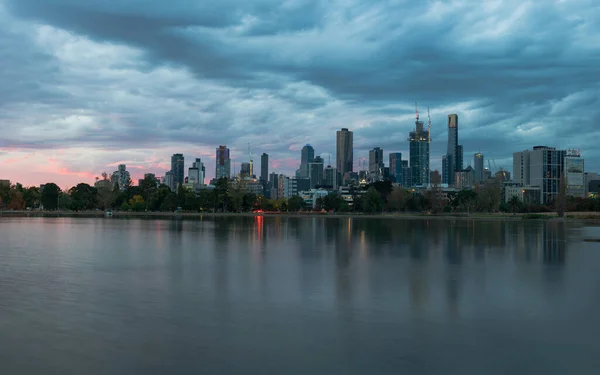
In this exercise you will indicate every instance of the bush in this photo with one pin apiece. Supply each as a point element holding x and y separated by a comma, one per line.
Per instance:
<point>125,207</point>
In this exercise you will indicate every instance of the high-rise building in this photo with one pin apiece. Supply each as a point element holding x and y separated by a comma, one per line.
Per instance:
<point>542,167</point>
<point>452,151</point>
<point>264,167</point>
<point>419,154</point>
<point>376,164</point>
<point>306,157</point>
<point>396,167</point>
<point>459,158</point>
<point>330,177</point>
<point>478,167</point>
<point>177,173</point>
<point>196,173</point>
<point>575,174</point>
<point>168,180</point>
<point>406,174</point>
<point>121,177</point>
<point>464,178</point>
<point>223,163</point>
<point>245,170</point>
<point>344,152</point>
<point>315,172</point>
<point>444,169</point>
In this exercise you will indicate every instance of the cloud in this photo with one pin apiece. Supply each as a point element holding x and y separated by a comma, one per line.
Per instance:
<point>137,81</point>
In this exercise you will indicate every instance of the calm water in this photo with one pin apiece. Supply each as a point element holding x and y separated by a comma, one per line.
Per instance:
<point>297,296</point>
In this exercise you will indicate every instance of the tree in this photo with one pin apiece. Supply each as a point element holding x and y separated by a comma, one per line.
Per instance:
<point>435,196</point>
<point>32,196</point>
<point>148,187</point>
<point>137,203</point>
<point>125,207</point>
<point>16,201</point>
<point>83,197</point>
<point>221,192</point>
<point>105,197</point>
<point>515,204</point>
<point>466,198</point>
<point>295,203</point>
<point>49,196</point>
<point>332,202</point>
<point>64,201</point>
<point>373,201</point>
<point>4,194</point>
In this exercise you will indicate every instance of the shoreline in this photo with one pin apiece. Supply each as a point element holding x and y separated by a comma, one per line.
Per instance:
<point>570,217</point>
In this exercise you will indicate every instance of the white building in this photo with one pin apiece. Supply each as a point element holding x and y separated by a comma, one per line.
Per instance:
<point>574,175</point>
<point>310,197</point>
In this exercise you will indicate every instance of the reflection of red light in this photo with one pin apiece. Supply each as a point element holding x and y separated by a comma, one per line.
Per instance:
<point>259,226</point>
<point>258,211</point>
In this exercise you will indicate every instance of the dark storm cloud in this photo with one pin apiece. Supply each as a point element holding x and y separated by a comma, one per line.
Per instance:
<point>284,73</point>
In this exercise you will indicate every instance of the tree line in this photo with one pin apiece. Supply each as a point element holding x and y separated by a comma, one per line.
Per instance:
<point>227,196</point>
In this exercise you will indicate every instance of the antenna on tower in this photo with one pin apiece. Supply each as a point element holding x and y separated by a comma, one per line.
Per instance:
<point>417,110</point>
<point>251,161</point>
<point>428,126</point>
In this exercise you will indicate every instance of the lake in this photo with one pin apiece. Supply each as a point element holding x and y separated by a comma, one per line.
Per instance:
<point>276,295</point>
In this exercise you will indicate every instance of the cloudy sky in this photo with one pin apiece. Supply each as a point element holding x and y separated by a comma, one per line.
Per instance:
<point>88,85</point>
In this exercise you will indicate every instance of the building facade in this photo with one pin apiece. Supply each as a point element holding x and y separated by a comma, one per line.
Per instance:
<point>306,157</point>
<point>419,154</point>
<point>542,167</point>
<point>330,177</point>
<point>223,163</point>
<point>575,175</point>
<point>478,167</point>
<point>177,170</point>
<point>396,167</point>
<point>264,167</point>
<point>315,172</point>
<point>464,179</point>
<point>344,152</point>
<point>376,164</point>
<point>452,149</point>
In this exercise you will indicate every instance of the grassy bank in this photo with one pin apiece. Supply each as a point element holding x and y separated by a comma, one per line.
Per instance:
<point>571,216</point>
<point>406,216</point>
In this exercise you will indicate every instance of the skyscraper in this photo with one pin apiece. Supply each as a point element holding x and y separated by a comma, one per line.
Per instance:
<point>419,154</point>
<point>478,167</point>
<point>459,158</point>
<point>223,163</point>
<point>264,167</point>
<point>444,169</point>
<point>376,163</point>
<point>344,151</point>
<point>396,166</point>
<point>177,172</point>
<point>306,157</point>
<point>315,172</point>
<point>452,151</point>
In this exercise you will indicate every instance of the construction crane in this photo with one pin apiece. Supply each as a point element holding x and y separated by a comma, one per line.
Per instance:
<point>428,126</point>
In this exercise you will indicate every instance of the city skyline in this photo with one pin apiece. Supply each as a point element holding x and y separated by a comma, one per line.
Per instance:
<point>81,96</point>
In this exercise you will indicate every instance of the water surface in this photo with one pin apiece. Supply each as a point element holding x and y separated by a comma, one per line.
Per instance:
<point>297,296</point>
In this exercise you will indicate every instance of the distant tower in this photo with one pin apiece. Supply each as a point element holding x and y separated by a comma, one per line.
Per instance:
<point>344,151</point>
<point>264,167</point>
<point>223,163</point>
<point>177,173</point>
<point>419,153</point>
<point>306,157</point>
<point>452,151</point>
<point>478,166</point>
<point>376,164</point>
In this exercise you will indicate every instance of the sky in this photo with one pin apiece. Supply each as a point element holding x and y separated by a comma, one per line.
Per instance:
<point>88,85</point>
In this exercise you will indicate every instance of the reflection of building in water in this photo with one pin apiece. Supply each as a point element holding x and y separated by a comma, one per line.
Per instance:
<point>555,243</point>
